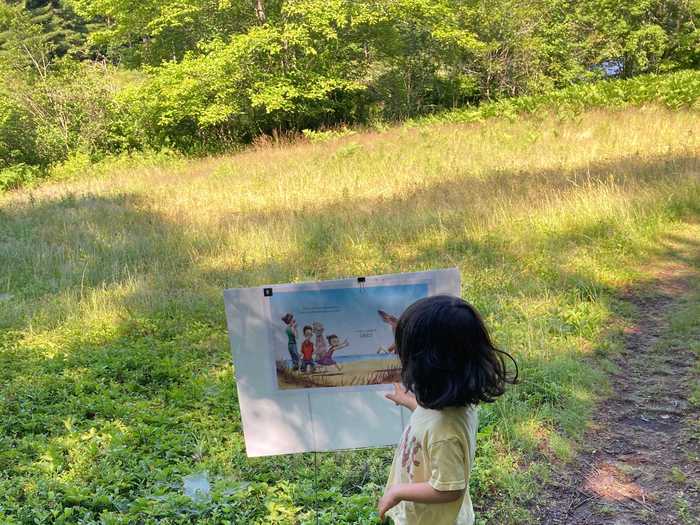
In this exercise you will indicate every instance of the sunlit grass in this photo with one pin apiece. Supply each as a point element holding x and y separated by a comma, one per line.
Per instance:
<point>113,347</point>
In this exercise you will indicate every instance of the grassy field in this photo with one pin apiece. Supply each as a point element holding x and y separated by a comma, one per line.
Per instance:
<point>114,362</point>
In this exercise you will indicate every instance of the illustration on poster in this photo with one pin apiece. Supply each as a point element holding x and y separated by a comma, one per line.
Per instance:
<point>339,337</point>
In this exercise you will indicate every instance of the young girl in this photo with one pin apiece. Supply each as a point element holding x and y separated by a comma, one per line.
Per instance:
<point>335,344</point>
<point>448,366</point>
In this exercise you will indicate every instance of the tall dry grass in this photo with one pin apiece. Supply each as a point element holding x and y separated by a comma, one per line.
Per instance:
<point>370,203</point>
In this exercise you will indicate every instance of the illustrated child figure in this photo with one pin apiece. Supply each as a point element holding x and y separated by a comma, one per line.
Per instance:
<point>335,344</point>
<point>291,332</point>
<point>448,366</point>
<point>321,347</point>
<point>307,350</point>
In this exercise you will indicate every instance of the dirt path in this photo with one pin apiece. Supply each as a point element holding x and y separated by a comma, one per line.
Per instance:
<point>641,458</point>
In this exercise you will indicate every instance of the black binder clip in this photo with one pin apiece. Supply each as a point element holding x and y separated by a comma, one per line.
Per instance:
<point>361,282</point>
<point>267,292</point>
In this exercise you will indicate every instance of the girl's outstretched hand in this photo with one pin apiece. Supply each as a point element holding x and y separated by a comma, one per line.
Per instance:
<point>402,397</point>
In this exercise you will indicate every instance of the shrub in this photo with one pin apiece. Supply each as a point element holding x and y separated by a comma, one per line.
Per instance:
<point>18,175</point>
<point>17,134</point>
<point>673,90</point>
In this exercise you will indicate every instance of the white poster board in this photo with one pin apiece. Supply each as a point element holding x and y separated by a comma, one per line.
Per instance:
<point>313,361</point>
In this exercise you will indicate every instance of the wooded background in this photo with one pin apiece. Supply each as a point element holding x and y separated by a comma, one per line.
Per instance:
<point>94,77</point>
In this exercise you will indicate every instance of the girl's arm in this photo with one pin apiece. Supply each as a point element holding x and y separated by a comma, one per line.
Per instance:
<point>417,493</point>
<point>402,397</point>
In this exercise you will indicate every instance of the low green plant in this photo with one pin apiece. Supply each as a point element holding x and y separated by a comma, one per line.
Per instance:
<point>680,89</point>
<point>314,136</point>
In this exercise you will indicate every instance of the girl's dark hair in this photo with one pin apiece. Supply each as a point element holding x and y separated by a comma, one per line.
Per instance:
<point>447,357</point>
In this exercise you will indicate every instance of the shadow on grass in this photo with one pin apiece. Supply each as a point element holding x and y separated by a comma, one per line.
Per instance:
<point>91,242</point>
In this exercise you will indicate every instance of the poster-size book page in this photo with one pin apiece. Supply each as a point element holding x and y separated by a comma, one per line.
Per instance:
<point>313,361</point>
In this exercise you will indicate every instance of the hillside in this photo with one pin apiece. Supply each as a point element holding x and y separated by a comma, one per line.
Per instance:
<point>114,358</point>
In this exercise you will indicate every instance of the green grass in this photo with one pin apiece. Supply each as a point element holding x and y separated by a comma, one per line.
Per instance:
<point>684,333</point>
<point>114,361</point>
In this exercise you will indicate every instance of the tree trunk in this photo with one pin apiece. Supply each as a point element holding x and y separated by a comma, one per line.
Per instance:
<point>260,11</point>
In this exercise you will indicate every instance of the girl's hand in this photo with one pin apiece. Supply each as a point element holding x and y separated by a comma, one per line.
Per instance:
<point>387,501</point>
<point>402,397</point>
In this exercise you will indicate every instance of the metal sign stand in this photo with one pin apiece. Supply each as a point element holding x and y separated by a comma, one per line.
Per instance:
<point>316,487</point>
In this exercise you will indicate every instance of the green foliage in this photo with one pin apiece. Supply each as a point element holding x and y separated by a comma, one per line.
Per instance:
<point>61,29</point>
<point>66,32</point>
<point>209,75</point>
<point>151,32</point>
<point>266,79</point>
<point>23,47</point>
<point>132,407</point>
<point>422,53</point>
<point>646,34</point>
<point>187,99</point>
<point>46,117</point>
<point>82,112</point>
<point>674,91</point>
<point>324,136</point>
<point>17,134</point>
<point>18,175</point>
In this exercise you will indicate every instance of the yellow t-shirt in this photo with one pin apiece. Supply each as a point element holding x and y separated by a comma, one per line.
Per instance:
<point>437,446</point>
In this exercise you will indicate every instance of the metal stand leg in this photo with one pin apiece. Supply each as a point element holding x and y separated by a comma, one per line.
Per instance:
<point>316,486</point>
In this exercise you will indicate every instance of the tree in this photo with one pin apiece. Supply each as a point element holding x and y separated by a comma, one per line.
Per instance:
<point>61,28</point>
<point>300,73</point>
<point>150,32</point>
<point>64,102</point>
<point>646,35</point>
